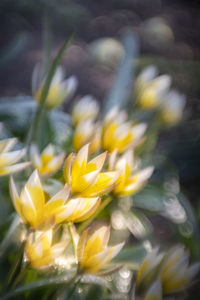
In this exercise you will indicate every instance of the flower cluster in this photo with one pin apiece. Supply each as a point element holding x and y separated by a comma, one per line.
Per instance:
<point>165,273</point>
<point>101,161</point>
<point>153,92</point>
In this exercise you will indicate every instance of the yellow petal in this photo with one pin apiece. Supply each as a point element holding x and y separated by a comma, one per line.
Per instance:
<point>56,204</point>
<point>103,184</point>
<point>15,197</point>
<point>84,208</point>
<point>89,212</point>
<point>81,245</point>
<point>67,168</point>
<point>35,191</point>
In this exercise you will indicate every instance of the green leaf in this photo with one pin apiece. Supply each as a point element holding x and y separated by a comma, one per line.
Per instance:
<point>17,112</point>
<point>45,283</point>
<point>189,230</point>
<point>132,255</point>
<point>95,292</point>
<point>150,198</point>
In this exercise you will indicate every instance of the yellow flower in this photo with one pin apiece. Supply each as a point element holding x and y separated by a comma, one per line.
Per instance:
<point>47,163</point>
<point>150,88</point>
<point>9,158</point>
<point>118,134</point>
<point>172,107</point>
<point>129,183</point>
<point>59,90</point>
<point>86,108</point>
<point>176,274</point>
<point>41,250</point>
<point>155,291</point>
<point>34,211</point>
<point>87,132</point>
<point>150,262</point>
<point>145,76</point>
<point>93,252</point>
<point>86,178</point>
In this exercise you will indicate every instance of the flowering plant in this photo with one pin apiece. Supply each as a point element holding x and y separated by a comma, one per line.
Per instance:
<point>88,186</point>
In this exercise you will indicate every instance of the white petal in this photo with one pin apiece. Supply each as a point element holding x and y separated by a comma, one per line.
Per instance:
<point>139,130</point>
<point>82,154</point>
<point>7,144</point>
<point>63,194</point>
<point>35,156</point>
<point>99,160</point>
<point>148,73</point>
<point>49,150</point>
<point>14,168</point>
<point>34,180</point>
<point>9,158</point>
<point>155,291</point>
<point>144,175</point>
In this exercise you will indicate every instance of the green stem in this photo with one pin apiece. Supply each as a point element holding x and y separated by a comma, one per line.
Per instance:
<point>16,268</point>
<point>101,207</point>
<point>74,288</point>
<point>62,290</point>
<point>35,126</point>
<point>72,237</point>
<point>20,276</point>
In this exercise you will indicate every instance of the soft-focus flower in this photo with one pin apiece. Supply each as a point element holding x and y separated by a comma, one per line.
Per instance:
<point>153,93</point>
<point>172,107</point>
<point>150,89</point>
<point>87,108</point>
<point>176,274</point>
<point>59,90</point>
<point>87,132</point>
<point>47,163</point>
<point>155,291</point>
<point>9,158</point>
<point>120,135</point>
<point>148,265</point>
<point>41,250</point>
<point>146,75</point>
<point>93,252</point>
<point>35,211</point>
<point>86,178</point>
<point>131,179</point>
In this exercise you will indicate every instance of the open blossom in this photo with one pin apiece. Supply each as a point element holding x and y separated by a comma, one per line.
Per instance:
<point>35,211</point>
<point>47,163</point>
<point>87,108</point>
<point>117,134</point>
<point>145,76</point>
<point>150,88</point>
<point>87,132</point>
<point>167,272</point>
<point>9,158</point>
<point>150,262</point>
<point>131,180</point>
<point>59,90</point>
<point>172,107</point>
<point>176,274</point>
<point>93,252</point>
<point>41,251</point>
<point>86,178</point>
